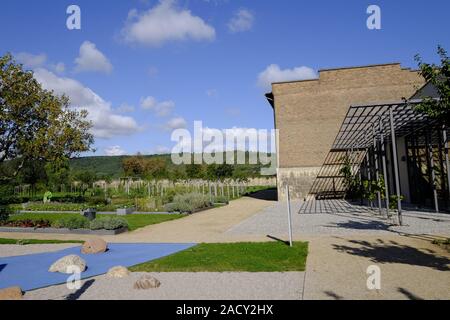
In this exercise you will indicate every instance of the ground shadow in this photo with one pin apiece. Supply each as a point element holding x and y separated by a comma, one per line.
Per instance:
<point>278,239</point>
<point>2,266</point>
<point>382,252</point>
<point>269,194</point>
<point>361,225</point>
<point>333,295</point>
<point>408,294</point>
<point>77,294</point>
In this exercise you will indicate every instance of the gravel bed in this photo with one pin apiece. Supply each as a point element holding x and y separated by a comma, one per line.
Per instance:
<point>183,286</point>
<point>273,221</point>
<point>9,250</point>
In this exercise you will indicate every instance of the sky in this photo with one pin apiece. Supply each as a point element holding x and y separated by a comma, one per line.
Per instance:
<point>143,68</point>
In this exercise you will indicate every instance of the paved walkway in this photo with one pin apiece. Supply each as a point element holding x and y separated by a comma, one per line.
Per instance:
<point>206,226</point>
<point>341,247</point>
<point>411,268</point>
<point>184,286</point>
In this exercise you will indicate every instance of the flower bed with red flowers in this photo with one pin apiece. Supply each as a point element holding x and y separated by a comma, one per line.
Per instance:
<point>27,223</point>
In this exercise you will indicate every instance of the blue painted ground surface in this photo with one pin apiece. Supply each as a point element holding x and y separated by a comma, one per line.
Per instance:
<point>31,271</point>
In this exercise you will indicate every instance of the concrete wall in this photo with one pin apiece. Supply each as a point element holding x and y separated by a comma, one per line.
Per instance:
<point>309,114</point>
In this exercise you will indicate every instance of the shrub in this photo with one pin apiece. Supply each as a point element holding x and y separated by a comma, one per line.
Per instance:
<point>188,202</point>
<point>97,200</point>
<point>53,206</point>
<point>27,223</point>
<point>170,207</point>
<point>4,200</point>
<point>115,223</point>
<point>4,213</point>
<point>220,199</point>
<point>74,222</point>
<point>169,195</point>
<point>97,224</point>
<point>108,223</point>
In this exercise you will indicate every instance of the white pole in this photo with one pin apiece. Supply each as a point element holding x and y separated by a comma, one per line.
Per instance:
<point>289,215</point>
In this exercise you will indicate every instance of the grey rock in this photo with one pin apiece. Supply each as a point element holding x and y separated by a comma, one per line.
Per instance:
<point>146,282</point>
<point>62,264</point>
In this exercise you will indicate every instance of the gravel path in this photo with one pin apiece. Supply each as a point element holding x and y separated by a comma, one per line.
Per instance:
<point>273,221</point>
<point>184,286</point>
<point>9,250</point>
<point>205,226</point>
<point>410,268</point>
<point>341,247</point>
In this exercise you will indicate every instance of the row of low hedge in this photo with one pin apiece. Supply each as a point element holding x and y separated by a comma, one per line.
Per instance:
<point>5,200</point>
<point>188,202</point>
<point>107,223</point>
<point>64,206</point>
<point>220,199</point>
<point>73,222</point>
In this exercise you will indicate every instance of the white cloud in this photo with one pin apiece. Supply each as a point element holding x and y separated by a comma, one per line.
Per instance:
<point>162,109</point>
<point>92,59</point>
<point>105,122</point>
<point>125,108</point>
<point>273,73</point>
<point>114,151</point>
<point>164,23</point>
<point>34,61</point>
<point>31,60</point>
<point>175,123</point>
<point>242,20</point>
<point>59,67</point>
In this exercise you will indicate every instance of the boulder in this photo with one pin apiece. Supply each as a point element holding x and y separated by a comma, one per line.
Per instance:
<point>11,293</point>
<point>118,272</point>
<point>61,265</point>
<point>146,282</point>
<point>96,245</point>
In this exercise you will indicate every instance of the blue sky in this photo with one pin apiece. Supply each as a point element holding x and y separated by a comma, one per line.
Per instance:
<point>144,67</point>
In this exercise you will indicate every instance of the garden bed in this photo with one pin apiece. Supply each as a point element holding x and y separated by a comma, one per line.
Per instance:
<point>64,230</point>
<point>135,221</point>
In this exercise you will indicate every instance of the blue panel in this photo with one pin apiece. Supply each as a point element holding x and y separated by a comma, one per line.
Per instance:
<point>31,271</point>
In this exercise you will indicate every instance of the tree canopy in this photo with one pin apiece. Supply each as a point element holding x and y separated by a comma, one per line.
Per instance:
<point>439,77</point>
<point>36,124</point>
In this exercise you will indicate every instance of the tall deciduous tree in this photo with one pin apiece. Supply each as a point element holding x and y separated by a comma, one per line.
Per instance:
<point>439,77</point>
<point>36,124</point>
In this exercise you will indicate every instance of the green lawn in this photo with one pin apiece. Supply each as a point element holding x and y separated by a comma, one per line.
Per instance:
<point>221,257</point>
<point>35,241</point>
<point>135,221</point>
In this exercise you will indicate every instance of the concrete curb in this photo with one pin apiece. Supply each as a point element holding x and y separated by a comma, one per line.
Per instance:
<point>64,231</point>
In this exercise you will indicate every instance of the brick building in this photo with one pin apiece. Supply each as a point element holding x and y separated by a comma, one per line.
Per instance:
<point>309,114</point>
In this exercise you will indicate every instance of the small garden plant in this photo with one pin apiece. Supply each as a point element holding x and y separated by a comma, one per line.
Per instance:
<point>188,203</point>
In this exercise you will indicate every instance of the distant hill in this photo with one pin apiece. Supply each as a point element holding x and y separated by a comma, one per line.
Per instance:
<point>112,165</point>
<point>101,165</point>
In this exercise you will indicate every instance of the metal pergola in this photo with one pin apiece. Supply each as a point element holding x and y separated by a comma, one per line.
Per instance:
<point>366,134</point>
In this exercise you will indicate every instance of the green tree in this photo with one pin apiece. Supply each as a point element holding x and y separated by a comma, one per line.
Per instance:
<point>195,171</point>
<point>439,77</point>
<point>219,171</point>
<point>36,124</point>
<point>57,175</point>
<point>156,168</point>
<point>134,166</point>
<point>32,173</point>
<point>87,178</point>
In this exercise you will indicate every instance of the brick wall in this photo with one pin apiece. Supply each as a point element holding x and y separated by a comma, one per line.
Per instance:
<point>309,113</point>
